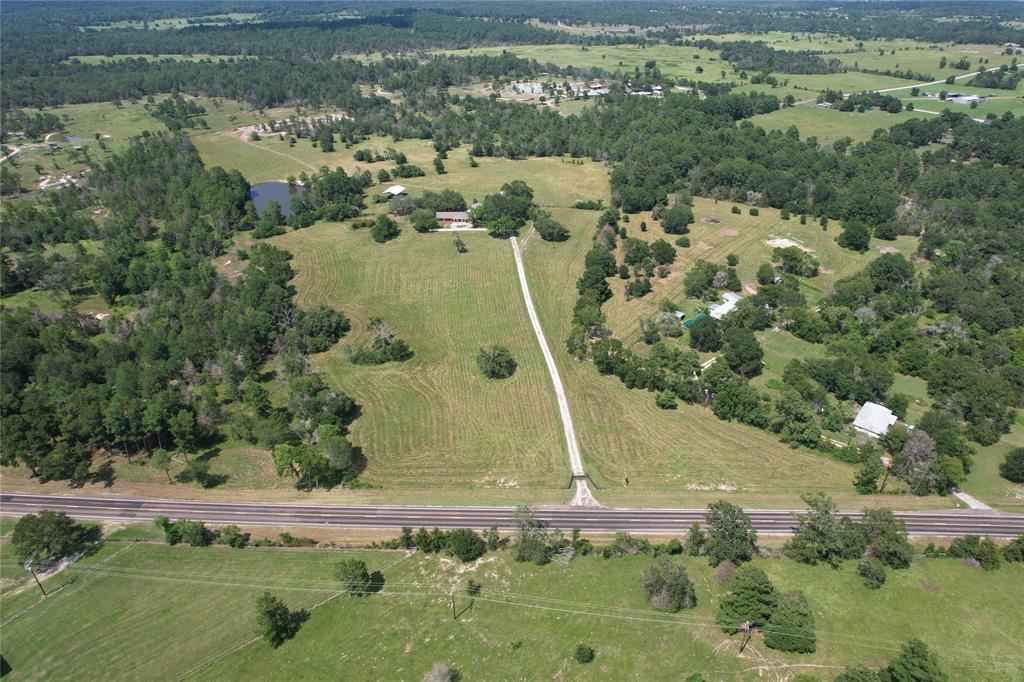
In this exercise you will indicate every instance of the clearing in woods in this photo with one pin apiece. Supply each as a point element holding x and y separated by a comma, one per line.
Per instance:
<point>435,421</point>
<point>206,626</point>
<point>747,237</point>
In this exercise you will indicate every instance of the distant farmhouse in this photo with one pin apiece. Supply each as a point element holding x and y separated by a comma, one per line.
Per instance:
<point>452,217</point>
<point>874,419</point>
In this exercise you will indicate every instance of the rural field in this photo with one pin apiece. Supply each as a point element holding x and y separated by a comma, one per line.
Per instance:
<point>684,457</point>
<point>435,420</point>
<point>527,618</point>
<point>678,62</point>
<point>717,232</point>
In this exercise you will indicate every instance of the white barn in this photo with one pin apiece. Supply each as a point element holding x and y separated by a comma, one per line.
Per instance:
<point>394,190</point>
<point>874,419</point>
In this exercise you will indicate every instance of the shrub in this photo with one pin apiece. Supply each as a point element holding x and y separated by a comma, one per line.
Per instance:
<point>668,587</point>
<point>676,220</point>
<point>751,599</point>
<point>736,210</point>
<point>354,576</point>
<point>550,230</point>
<point>466,545</point>
<point>423,220</point>
<point>496,362</point>
<point>232,537</point>
<point>732,259</point>
<point>583,654</point>
<point>791,627</point>
<point>1012,468</point>
<point>384,229</point>
<point>754,211</point>
<point>666,400</point>
<point>683,242</point>
<point>1014,552</point>
<point>638,288</point>
<point>439,672</point>
<point>873,572</point>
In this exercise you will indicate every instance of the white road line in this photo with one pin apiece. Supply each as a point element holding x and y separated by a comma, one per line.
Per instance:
<point>583,495</point>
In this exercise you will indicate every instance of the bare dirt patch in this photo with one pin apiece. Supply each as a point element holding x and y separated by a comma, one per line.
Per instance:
<point>710,219</point>
<point>701,246</point>
<point>887,249</point>
<point>728,233</point>
<point>784,243</point>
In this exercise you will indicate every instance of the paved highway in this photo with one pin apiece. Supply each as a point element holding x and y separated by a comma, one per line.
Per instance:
<point>592,519</point>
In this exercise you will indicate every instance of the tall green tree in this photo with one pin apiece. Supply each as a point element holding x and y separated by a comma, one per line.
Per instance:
<point>751,599</point>
<point>731,535</point>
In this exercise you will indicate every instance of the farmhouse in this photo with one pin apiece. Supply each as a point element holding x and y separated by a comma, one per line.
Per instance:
<point>729,301</point>
<point>874,419</point>
<point>452,217</point>
<point>394,190</point>
<point>825,105</point>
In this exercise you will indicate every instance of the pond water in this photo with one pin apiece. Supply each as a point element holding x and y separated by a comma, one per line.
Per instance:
<point>281,192</point>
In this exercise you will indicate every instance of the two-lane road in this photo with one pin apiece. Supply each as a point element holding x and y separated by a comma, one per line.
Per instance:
<point>592,519</point>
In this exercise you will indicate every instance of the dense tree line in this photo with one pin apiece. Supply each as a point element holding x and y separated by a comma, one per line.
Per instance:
<point>755,56</point>
<point>182,368</point>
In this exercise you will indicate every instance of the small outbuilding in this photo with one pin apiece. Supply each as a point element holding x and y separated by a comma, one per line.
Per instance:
<point>395,190</point>
<point>874,419</point>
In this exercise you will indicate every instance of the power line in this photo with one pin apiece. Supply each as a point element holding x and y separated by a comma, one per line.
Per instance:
<point>409,589</point>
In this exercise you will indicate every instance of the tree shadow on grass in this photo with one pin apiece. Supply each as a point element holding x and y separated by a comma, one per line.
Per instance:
<point>198,470</point>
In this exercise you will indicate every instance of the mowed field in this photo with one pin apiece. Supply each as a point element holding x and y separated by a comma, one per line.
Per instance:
<point>435,420</point>
<point>684,457</point>
<point>524,625</point>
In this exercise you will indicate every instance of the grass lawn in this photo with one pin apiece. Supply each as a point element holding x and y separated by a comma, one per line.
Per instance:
<point>116,126</point>
<point>157,612</point>
<point>984,480</point>
<point>829,125</point>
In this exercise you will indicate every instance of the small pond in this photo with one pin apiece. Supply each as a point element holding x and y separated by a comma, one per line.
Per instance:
<point>281,192</point>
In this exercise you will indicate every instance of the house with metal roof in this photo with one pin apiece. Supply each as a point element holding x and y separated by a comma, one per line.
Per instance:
<point>874,419</point>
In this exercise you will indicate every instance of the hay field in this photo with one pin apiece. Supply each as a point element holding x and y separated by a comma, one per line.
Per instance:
<point>435,420</point>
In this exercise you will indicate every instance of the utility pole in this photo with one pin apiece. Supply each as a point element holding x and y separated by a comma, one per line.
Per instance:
<point>453,602</point>
<point>28,566</point>
<point>745,628</point>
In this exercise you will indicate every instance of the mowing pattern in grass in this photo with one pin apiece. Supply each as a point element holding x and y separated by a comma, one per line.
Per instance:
<point>435,420</point>
<point>623,434</point>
